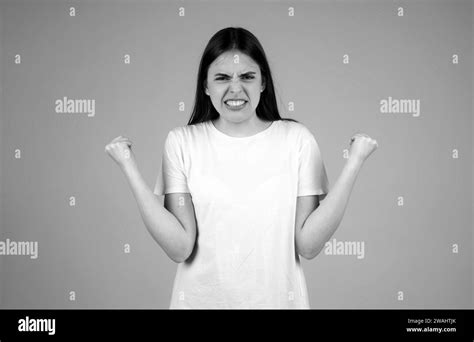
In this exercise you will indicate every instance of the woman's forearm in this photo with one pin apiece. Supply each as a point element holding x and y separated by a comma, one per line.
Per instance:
<point>323,221</point>
<point>162,224</point>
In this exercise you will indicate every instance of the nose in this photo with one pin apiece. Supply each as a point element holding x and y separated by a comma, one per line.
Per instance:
<point>235,85</point>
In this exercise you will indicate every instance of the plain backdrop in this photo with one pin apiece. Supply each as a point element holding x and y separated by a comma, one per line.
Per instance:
<point>81,248</point>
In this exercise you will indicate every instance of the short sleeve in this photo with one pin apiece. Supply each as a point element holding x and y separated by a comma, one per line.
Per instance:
<point>312,177</point>
<point>171,177</point>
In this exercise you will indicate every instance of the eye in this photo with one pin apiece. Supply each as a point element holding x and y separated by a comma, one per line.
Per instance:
<point>247,77</point>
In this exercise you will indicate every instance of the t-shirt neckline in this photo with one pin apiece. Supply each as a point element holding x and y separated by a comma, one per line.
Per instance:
<point>230,138</point>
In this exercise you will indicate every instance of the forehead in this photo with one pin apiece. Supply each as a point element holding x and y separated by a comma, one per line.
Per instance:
<point>231,61</point>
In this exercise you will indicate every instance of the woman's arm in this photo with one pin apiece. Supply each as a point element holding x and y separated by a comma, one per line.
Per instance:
<point>176,238</point>
<point>165,227</point>
<point>321,224</point>
<point>323,221</point>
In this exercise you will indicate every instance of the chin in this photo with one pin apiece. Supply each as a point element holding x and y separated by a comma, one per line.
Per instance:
<point>236,117</point>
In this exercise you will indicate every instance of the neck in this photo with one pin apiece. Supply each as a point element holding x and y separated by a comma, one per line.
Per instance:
<point>241,129</point>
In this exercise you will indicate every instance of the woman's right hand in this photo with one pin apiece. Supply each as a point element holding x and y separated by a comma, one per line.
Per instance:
<point>119,149</point>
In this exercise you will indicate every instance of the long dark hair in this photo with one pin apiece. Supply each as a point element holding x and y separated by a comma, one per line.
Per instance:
<point>234,38</point>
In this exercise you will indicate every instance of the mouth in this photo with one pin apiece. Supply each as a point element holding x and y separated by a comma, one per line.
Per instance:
<point>236,104</point>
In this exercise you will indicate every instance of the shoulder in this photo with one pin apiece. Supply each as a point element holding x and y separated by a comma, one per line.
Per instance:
<point>299,132</point>
<point>183,132</point>
<point>187,134</point>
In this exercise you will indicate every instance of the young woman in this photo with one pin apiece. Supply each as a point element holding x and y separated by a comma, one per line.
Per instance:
<point>242,187</point>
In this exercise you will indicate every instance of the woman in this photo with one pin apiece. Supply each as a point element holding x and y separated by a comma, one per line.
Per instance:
<point>241,187</point>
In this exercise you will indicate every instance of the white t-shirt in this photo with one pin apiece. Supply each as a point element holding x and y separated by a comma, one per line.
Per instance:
<point>244,193</point>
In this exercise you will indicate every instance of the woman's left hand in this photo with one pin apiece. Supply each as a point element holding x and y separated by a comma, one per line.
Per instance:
<point>362,147</point>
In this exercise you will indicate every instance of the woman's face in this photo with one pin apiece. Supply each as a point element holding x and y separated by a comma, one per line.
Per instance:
<point>234,76</point>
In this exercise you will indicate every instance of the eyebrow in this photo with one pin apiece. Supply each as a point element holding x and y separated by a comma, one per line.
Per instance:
<point>247,73</point>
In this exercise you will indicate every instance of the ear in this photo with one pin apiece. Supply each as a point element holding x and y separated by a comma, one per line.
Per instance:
<point>205,87</point>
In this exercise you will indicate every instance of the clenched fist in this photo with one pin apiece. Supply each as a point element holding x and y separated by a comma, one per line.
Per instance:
<point>120,151</point>
<point>362,147</point>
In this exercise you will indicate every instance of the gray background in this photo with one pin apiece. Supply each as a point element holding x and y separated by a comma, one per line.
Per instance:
<point>81,248</point>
